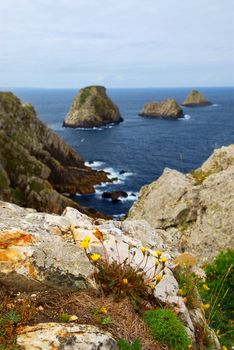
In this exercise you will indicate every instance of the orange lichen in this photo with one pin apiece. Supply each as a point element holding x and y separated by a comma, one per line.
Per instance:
<point>14,238</point>
<point>10,255</point>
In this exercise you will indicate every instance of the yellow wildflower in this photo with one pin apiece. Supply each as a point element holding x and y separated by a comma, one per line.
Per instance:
<point>152,286</point>
<point>95,257</point>
<point>224,347</point>
<point>205,287</point>
<point>125,281</point>
<point>103,310</point>
<point>158,278</point>
<point>163,259</point>
<point>85,243</point>
<point>156,262</point>
<point>143,250</point>
<point>158,253</point>
<point>206,306</point>
<point>180,291</point>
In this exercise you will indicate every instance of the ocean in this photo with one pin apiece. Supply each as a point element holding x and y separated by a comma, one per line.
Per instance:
<point>139,148</point>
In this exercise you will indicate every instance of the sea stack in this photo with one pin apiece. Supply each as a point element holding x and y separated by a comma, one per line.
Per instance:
<point>168,108</point>
<point>92,108</point>
<point>195,99</point>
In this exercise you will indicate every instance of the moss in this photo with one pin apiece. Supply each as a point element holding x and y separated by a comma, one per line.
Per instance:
<point>184,225</point>
<point>167,328</point>
<point>3,180</point>
<point>36,185</point>
<point>199,176</point>
<point>18,196</point>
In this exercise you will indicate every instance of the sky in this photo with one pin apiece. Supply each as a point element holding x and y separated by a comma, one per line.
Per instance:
<point>116,43</point>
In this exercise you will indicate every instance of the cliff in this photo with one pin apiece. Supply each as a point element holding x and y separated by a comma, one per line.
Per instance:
<point>192,212</point>
<point>165,109</point>
<point>92,108</point>
<point>51,289</point>
<point>36,165</point>
<point>195,99</point>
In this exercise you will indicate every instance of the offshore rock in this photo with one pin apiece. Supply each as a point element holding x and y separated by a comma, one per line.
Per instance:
<point>36,165</point>
<point>165,109</point>
<point>193,212</point>
<point>196,99</point>
<point>92,108</point>
<point>115,196</point>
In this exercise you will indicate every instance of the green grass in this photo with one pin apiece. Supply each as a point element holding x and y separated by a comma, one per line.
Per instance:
<point>124,345</point>
<point>166,328</point>
<point>220,296</point>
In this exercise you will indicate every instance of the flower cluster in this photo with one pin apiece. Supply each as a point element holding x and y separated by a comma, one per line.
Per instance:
<point>125,278</point>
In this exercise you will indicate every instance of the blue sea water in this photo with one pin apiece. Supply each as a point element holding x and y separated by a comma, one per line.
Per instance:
<point>140,146</point>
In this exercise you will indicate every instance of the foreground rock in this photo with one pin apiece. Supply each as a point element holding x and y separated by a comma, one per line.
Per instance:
<point>92,108</point>
<point>165,109</point>
<point>193,212</point>
<point>36,165</point>
<point>40,251</point>
<point>47,336</point>
<point>196,99</point>
<point>115,196</point>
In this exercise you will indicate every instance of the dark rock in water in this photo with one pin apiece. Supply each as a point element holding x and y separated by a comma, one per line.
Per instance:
<point>92,108</point>
<point>122,172</point>
<point>115,195</point>
<point>196,99</point>
<point>165,109</point>
<point>36,165</point>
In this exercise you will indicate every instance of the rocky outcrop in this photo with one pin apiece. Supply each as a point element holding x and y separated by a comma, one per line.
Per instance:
<point>165,109</point>
<point>115,196</point>
<point>39,251</point>
<point>195,99</point>
<point>92,108</point>
<point>61,336</point>
<point>36,165</point>
<point>193,212</point>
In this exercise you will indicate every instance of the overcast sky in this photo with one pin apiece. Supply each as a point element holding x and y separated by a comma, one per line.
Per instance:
<point>117,43</point>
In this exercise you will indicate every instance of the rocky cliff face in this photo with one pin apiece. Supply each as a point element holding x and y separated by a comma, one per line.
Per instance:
<point>193,212</point>
<point>36,165</point>
<point>42,254</point>
<point>164,109</point>
<point>92,108</point>
<point>195,98</point>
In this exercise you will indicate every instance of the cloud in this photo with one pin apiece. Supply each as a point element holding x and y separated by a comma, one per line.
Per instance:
<point>126,42</point>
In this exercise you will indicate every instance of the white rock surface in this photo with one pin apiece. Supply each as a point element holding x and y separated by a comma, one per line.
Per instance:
<point>56,336</point>
<point>193,217</point>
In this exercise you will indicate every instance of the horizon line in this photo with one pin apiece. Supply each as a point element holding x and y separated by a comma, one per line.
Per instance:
<point>115,87</point>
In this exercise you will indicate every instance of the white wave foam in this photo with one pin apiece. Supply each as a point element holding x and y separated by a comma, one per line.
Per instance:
<point>132,196</point>
<point>118,216</point>
<point>95,164</point>
<point>185,117</point>
<point>108,126</point>
<point>112,173</point>
<point>215,105</point>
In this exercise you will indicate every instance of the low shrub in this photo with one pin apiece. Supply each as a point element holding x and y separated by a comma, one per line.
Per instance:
<point>167,328</point>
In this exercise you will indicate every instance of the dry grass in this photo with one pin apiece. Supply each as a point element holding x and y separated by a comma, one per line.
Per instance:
<point>48,306</point>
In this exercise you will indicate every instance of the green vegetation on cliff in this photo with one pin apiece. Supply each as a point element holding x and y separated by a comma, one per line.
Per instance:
<point>36,165</point>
